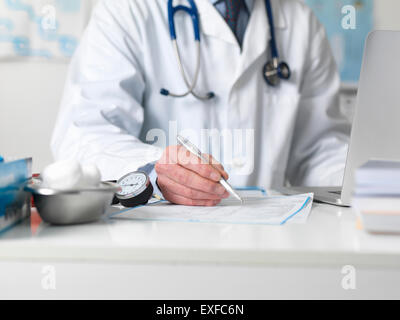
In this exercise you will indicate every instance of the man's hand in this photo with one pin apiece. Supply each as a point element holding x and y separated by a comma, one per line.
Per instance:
<point>183,178</point>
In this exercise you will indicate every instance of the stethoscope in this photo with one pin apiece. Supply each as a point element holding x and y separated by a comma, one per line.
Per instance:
<point>273,71</point>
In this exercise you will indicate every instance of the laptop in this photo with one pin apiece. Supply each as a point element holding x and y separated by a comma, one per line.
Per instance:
<point>376,125</point>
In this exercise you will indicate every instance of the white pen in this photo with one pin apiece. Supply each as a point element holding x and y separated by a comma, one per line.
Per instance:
<point>195,151</point>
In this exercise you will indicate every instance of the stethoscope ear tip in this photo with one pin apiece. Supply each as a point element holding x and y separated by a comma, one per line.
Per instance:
<point>211,95</point>
<point>164,92</point>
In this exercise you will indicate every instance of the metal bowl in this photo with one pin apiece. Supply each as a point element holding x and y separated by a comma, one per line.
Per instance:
<point>66,207</point>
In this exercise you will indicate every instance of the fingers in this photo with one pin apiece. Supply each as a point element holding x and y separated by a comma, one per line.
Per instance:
<point>185,179</point>
<point>168,184</point>
<point>195,164</point>
<point>217,166</point>
<point>181,200</point>
<point>211,169</point>
<point>190,179</point>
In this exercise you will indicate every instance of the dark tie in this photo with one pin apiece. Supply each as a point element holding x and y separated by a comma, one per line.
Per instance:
<point>233,8</point>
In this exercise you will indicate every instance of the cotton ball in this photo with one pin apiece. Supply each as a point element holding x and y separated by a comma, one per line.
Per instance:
<point>91,176</point>
<point>62,175</point>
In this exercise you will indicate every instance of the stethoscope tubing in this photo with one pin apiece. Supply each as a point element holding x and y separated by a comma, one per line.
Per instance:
<point>272,41</point>
<point>183,73</point>
<point>269,75</point>
<point>192,11</point>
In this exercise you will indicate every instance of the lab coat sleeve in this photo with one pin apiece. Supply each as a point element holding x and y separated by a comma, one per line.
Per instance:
<point>321,134</point>
<point>101,114</point>
<point>151,172</point>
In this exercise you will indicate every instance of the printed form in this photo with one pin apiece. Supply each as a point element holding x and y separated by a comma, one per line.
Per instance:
<point>257,209</point>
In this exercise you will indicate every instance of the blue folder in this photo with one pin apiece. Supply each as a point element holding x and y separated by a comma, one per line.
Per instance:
<point>14,201</point>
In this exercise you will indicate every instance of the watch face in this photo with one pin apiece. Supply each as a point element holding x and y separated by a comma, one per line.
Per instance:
<point>133,184</point>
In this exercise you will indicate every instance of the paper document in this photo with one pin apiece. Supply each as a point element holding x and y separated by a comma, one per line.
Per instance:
<point>257,209</point>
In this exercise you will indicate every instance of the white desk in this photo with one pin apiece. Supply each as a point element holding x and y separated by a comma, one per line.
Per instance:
<point>160,260</point>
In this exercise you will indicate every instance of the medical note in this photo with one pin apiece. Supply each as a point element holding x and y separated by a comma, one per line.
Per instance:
<point>257,209</point>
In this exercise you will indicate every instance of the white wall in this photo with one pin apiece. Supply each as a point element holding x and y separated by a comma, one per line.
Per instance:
<point>29,101</point>
<point>387,14</point>
<point>30,95</point>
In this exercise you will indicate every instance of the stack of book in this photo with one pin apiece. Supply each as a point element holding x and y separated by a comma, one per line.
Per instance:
<point>14,201</point>
<point>377,196</point>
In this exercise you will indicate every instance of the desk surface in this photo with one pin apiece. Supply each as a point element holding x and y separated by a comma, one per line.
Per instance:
<point>329,238</point>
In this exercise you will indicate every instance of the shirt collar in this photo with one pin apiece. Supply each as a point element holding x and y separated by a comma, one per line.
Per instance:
<point>249,3</point>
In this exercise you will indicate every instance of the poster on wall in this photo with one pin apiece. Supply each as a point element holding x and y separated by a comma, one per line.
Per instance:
<point>348,23</point>
<point>42,29</point>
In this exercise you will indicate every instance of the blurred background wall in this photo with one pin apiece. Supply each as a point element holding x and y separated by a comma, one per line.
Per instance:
<point>387,13</point>
<point>31,87</point>
<point>31,84</point>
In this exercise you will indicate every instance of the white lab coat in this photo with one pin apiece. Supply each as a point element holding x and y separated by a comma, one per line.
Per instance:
<point>112,101</point>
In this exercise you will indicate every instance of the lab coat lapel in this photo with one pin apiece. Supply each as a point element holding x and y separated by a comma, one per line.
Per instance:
<point>257,36</point>
<point>213,24</point>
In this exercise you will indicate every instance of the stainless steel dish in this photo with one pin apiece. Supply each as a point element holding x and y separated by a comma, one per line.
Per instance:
<point>66,207</point>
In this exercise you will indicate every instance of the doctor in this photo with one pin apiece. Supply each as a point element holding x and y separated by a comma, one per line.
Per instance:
<point>291,130</point>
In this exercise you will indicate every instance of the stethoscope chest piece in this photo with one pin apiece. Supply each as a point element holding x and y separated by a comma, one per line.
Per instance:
<point>274,73</point>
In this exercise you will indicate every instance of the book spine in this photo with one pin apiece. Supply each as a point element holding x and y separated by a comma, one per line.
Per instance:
<point>14,200</point>
<point>15,212</point>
